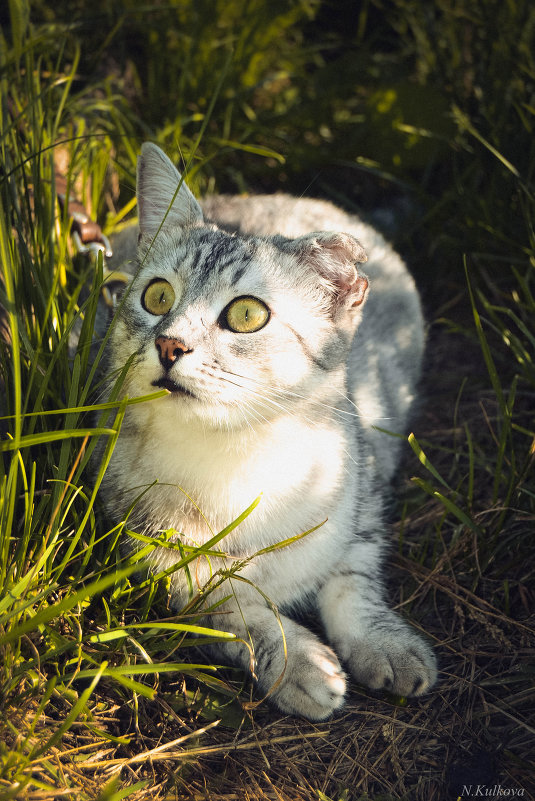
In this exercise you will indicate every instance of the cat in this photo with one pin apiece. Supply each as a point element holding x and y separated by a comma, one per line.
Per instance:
<point>253,313</point>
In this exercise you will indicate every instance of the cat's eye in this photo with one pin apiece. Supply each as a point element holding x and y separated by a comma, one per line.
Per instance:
<point>245,315</point>
<point>158,296</point>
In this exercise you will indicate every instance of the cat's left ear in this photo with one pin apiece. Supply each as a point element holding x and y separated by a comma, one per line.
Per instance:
<point>333,256</point>
<point>157,197</point>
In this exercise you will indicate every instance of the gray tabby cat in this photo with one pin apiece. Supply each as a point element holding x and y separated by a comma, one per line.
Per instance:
<point>250,324</point>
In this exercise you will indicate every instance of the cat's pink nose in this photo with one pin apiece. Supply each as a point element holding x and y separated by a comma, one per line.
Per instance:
<point>169,350</point>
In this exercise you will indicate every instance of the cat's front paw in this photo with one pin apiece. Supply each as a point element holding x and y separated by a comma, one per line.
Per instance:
<point>313,684</point>
<point>393,657</point>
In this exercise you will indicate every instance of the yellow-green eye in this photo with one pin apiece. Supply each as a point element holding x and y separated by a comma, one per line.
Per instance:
<point>158,296</point>
<point>245,315</point>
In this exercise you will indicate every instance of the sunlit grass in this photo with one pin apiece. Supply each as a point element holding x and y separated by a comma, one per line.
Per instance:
<point>71,622</point>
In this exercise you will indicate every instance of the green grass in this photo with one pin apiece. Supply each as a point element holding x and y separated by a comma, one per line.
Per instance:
<point>67,622</point>
<point>422,108</point>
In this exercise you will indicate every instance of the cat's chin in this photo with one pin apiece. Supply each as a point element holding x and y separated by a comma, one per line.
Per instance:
<point>198,409</point>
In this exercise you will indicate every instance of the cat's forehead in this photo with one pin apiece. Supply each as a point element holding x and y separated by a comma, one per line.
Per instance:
<point>219,256</point>
<point>208,260</point>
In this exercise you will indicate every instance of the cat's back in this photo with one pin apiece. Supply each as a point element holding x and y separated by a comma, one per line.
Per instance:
<point>291,217</point>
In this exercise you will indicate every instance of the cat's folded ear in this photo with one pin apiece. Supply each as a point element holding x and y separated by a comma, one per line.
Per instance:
<point>333,257</point>
<point>162,195</point>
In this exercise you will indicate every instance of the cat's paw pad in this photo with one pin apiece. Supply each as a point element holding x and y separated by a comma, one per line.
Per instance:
<point>313,684</point>
<point>398,661</point>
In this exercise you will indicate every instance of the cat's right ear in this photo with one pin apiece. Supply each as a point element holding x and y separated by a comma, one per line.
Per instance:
<point>162,193</point>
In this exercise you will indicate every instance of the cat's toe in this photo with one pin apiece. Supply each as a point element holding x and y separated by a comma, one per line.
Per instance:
<point>313,685</point>
<point>403,665</point>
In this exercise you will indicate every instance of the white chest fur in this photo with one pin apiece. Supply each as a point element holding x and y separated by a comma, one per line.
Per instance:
<point>295,466</point>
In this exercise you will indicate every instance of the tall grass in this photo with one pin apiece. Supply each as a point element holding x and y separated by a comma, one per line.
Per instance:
<point>66,625</point>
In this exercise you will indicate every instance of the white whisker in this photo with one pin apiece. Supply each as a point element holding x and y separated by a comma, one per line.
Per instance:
<point>267,402</point>
<point>283,392</point>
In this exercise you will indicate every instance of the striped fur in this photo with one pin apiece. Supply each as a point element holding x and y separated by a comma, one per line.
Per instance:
<point>286,412</point>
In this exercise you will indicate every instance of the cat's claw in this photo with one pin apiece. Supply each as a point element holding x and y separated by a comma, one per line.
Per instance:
<point>314,683</point>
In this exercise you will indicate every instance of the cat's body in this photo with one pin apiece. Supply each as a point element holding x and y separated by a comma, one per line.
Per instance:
<point>272,395</point>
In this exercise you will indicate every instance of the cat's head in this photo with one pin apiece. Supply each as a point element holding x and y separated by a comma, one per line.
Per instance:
<point>239,329</point>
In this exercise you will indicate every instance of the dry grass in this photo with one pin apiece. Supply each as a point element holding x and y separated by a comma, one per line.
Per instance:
<point>480,719</point>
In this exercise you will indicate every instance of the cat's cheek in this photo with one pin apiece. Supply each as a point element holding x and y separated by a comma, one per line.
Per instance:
<point>290,368</point>
<point>122,349</point>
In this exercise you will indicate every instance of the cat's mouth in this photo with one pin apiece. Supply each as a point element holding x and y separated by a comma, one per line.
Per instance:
<point>172,386</point>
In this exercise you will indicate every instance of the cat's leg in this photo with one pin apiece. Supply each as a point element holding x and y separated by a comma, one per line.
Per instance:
<point>296,671</point>
<point>380,649</point>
